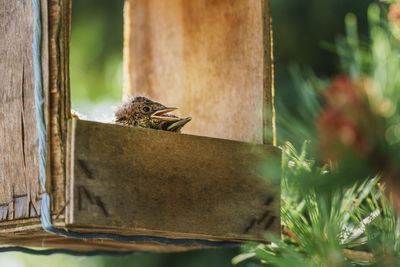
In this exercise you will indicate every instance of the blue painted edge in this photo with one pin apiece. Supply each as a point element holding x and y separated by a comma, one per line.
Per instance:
<point>48,252</point>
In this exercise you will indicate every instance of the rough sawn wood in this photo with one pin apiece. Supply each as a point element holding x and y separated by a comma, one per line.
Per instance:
<point>19,173</point>
<point>168,182</point>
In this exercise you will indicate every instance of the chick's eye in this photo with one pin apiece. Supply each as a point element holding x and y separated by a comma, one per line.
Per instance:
<point>146,109</point>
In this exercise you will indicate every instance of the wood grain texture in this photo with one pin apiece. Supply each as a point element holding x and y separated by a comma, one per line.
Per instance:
<point>29,233</point>
<point>59,98</point>
<point>20,195</point>
<point>207,57</point>
<point>41,239</point>
<point>170,184</point>
<point>19,174</point>
<point>32,235</point>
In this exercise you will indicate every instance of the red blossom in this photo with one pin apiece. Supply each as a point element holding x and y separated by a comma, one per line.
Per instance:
<point>394,14</point>
<point>345,122</point>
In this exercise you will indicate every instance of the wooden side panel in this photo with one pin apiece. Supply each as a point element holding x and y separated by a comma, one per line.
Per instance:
<point>168,183</point>
<point>205,57</point>
<point>19,174</point>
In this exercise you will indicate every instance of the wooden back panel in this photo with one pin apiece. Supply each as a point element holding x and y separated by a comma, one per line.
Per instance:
<point>206,57</point>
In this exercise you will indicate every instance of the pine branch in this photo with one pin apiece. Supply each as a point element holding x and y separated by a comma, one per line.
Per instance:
<point>349,254</point>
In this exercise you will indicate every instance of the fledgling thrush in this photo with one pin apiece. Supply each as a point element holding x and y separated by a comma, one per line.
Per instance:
<point>142,112</point>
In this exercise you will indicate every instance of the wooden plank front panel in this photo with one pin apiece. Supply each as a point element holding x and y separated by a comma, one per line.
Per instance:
<point>19,173</point>
<point>157,181</point>
<point>204,57</point>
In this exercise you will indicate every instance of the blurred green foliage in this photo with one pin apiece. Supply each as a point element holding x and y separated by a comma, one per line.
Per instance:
<point>211,258</point>
<point>320,226</point>
<point>334,211</point>
<point>96,50</point>
<point>301,30</point>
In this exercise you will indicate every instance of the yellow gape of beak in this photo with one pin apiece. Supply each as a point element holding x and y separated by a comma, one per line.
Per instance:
<point>158,115</point>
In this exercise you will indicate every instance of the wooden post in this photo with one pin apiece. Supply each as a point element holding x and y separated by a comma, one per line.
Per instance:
<point>211,59</point>
<point>59,31</point>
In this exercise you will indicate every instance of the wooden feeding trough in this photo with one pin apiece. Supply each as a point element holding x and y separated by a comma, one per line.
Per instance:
<point>165,191</point>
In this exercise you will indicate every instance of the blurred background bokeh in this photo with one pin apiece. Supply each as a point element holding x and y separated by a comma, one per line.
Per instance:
<point>303,31</point>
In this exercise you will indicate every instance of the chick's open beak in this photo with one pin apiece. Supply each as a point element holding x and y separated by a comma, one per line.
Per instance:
<point>176,126</point>
<point>159,115</point>
<point>170,122</point>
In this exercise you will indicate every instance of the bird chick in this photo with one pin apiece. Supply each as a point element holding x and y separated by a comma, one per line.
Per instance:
<point>142,112</point>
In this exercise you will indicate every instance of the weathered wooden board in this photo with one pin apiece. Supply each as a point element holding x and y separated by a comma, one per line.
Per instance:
<point>39,238</point>
<point>19,174</point>
<point>169,183</point>
<point>20,189</point>
<point>29,232</point>
<point>211,59</point>
<point>59,32</point>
